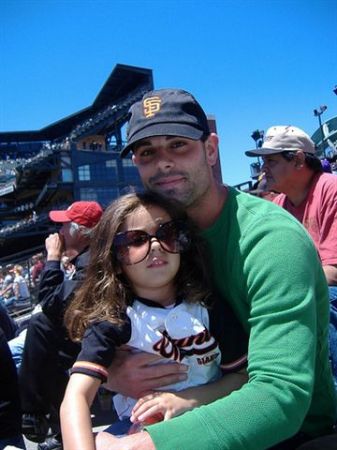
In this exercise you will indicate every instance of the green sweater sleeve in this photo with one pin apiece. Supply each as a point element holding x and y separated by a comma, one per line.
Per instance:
<point>275,277</point>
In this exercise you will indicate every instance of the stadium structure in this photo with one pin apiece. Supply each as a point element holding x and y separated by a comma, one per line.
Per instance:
<point>75,158</point>
<point>325,138</point>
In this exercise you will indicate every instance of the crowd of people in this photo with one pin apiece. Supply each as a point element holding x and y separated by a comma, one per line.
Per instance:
<point>101,116</point>
<point>208,312</point>
<point>9,166</point>
<point>7,171</point>
<point>14,287</point>
<point>20,225</point>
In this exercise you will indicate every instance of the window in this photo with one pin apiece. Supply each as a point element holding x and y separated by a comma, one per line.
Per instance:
<point>104,196</point>
<point>67,173</point>
<point>111,164</point>
<point>128,163</point>
<point>67,176</point>
<point>84,173</point>
<point>89,194</point>
<point>131,173</point>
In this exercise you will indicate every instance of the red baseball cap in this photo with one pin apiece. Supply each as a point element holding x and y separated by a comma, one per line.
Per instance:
<point>87,214</point>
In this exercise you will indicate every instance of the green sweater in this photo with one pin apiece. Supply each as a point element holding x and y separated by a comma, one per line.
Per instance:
<point>265,264</point>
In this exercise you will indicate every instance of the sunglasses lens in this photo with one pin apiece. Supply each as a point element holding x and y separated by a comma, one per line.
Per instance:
<point>173,236</point>
<point>131,247</point>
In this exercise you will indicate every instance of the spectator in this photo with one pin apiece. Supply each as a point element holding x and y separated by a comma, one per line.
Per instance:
<point>15,336</point>
<point>310,195</point>
<point>7,284</point>
<point>326,166</point>
<point>17,343</point>
<point>260,189</point>
<point>48,352</point>
<point>38,265</point>
<point>265,266</point>
<point>10,423</point>
<point>19,288</point>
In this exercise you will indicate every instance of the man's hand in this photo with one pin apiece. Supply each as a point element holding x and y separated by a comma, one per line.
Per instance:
<point>138,441</point>
<point>136,374</point>
<point>54,247</point>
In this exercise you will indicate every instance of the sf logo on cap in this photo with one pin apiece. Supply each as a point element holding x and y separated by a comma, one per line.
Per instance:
<point>151,106</point>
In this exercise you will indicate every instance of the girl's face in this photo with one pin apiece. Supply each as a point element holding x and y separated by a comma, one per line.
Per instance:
<point>153,277</point>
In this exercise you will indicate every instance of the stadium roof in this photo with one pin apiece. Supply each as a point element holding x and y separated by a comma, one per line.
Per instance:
<point>122,80</point>
<point>329,130</point>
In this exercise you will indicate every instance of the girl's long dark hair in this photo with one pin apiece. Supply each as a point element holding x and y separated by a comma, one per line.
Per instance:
<point>105,292</point>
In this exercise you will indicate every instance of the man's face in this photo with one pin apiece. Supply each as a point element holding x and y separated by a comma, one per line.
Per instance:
<point>278,171</point>
<point>70,237</point>
<point>176,167</point>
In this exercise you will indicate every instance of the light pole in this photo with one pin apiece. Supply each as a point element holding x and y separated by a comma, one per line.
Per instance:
<point>318,112</point>
<point>257,135</point>
<point>255,168</point>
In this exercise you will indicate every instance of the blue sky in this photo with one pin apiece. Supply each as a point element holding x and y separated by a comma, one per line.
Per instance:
<point>252,64</point>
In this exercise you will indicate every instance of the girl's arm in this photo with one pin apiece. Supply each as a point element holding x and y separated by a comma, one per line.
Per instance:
<point>171,404</point>
<point>75,412</point>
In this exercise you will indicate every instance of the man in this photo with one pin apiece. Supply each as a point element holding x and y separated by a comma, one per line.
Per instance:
<point>308,193</point>
<point>7,284</point>
<point>48,352</point>
<point>266,267</point>
<point>38,265</point>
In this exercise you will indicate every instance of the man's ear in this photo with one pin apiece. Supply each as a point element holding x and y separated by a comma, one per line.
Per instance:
<point>212,149</point>
<point>134,159</point>
<point>299,159</point>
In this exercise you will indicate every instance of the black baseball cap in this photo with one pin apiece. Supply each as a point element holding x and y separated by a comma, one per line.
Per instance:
<point>165,112</point>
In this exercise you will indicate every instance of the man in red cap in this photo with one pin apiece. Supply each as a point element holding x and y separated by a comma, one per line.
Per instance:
<point>82,213</point>
<point>77,222</point>
<point>48,352</point>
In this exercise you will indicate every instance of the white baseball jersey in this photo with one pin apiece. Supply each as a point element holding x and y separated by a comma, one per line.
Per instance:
<point>181,334</point>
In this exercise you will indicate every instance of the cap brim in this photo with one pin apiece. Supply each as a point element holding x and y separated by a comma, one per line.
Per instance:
<point>59,216</point>
<point>164,129</point>
<point>264,151</point>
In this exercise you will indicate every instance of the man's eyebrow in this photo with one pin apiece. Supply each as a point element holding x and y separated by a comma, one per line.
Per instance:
<point>146,142</point>
<point>168,138</point>
<point>141,143</point>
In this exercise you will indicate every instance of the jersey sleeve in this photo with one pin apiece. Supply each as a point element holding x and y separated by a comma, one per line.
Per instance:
<point>99,346</point>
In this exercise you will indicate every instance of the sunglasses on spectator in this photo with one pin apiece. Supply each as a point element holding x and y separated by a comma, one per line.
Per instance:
<point>132,247</point>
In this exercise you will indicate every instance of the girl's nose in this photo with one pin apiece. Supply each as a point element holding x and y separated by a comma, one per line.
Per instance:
<point>155,244</point>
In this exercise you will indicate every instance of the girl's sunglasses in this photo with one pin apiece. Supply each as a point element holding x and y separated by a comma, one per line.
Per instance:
<point>132,247</point>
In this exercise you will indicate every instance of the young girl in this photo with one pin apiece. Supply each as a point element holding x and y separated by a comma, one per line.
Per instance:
<point>145,288</point>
